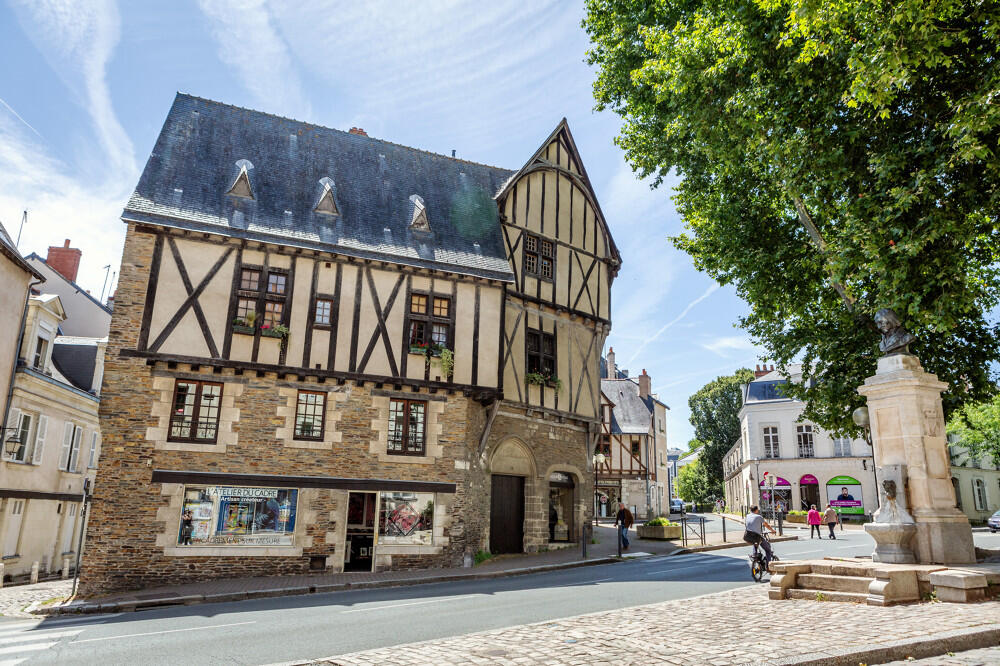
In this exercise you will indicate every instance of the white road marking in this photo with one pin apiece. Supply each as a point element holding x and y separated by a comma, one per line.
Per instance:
<point>25,637</point>
<point>12,662</point>
<point>598,580</point>
<point>27,648</point>
<point>803,552</point>
<point>168,631</point>
<point>857,545</point>
<point>693,566</point>
<point>410,603</point>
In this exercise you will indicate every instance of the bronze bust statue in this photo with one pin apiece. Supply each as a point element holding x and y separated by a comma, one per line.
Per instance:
<point>895,338</point>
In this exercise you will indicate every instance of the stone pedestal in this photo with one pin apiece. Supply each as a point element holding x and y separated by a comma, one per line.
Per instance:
<point>907,422</point>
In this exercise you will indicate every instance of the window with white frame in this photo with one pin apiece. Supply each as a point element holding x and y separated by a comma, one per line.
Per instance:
<point>771,447</point>
<point>979,493</point>
<point>40,355</point>
<point>804,435</point>
<point>12,534</point>
<point>842,447</point>
<point>71,447</point>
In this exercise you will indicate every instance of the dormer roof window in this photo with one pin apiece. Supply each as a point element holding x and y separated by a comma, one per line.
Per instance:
<point>327,204</point>
<point>418,214</point>
<point>241,185</point>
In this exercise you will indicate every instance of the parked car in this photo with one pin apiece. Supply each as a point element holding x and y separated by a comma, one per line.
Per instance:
<point>994,522</point>
<point>676,506</point>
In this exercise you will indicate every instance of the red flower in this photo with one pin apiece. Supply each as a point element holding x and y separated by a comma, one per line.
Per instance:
<point>892,243</point>
<point>266,326</point>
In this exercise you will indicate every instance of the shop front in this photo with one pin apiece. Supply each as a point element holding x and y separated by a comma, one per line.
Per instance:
<point>775,498</point>
<point>809,492</point>
<point>562,497</point>
<point>844,493</point>
<point>606,498</point>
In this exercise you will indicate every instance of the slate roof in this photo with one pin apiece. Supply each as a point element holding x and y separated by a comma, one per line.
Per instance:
<point>193,165</point>
<point>76,362</point>
<point>630,414</point>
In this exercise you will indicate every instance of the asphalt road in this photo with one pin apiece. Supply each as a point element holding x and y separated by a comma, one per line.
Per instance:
<point>267,631</point>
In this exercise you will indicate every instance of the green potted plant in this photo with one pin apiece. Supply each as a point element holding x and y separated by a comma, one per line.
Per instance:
<point>446,358</point>
<point>273,330</point>
<point>659,528</point>
<point>245,324</point>
<point>541,379</point>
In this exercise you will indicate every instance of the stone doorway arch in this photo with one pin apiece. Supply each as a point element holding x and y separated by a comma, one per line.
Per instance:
<point>513,480</point>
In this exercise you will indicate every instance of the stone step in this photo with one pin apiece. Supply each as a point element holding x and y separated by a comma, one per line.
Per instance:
<point>852,597</point>
<point>824,582</point>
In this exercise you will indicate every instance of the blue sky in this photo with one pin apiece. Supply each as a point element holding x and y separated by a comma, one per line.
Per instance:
<point>86,86</point>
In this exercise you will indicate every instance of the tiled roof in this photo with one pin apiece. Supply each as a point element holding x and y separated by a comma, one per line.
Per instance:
<point>193,165</point>
<point>630,414</point>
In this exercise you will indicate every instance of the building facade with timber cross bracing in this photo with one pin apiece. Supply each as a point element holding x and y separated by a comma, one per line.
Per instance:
<point>334,353</point>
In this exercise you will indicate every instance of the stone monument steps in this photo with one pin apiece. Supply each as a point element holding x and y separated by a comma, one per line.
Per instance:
<point>840,568</point>
<point>827,595</point>
<point>834,583</point>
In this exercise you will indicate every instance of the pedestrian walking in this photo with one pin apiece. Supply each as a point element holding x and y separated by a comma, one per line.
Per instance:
<point>814,520</point>
<point>830,517</point>
<point>623,521</point>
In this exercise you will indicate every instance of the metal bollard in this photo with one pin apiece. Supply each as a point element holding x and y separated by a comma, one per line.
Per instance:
<point>781,529</point>
<point>723,529</point>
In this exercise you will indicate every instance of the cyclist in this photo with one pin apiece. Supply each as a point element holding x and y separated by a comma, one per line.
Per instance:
<point>754,533</point>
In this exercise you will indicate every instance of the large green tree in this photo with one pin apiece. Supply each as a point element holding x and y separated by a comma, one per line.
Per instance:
<point>693,484</point>
<point>978,428</point>
<point>875,123</point>
<point>714,414</point>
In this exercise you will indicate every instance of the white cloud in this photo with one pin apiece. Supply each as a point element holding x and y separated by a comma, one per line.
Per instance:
<point>731,343</point>
<point>78,39</point>
<point>250,43</point>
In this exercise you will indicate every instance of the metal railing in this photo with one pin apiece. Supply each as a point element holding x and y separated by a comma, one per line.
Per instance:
<point>692,530</point>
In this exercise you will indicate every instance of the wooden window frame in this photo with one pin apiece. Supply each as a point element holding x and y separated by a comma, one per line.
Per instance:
<point>321,298</point>
<point>195,414</point>
<point>405,448</point>
<point>536,255</point>
<point>261,295</point>
<point>322,417</point>
<point>429,319</point>
<point>541,355</point>
<point>635,446</point>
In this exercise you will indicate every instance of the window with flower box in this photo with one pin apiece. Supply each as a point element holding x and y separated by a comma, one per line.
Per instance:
<point>432,322</point>
<point>195,413</point>
<point>406,427</point>
<point>261,301</point>
<point>541,352</point>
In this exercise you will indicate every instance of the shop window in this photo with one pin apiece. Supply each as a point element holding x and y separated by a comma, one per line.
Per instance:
<point>842,447</point>
<point>430,321</point>
<point>540,350</point>
<point>804,435</point>
<point>309,411</point>
<point>323,312</point>
<point>237,516</point>
<point>406,518</point>
<point>979,494</point>
<point>406,427</point>
<point>195,413</point>
<point>771,446</point>
<point>539,257</point>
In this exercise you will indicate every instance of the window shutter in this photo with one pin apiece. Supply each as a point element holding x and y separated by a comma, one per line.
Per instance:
<point>75,454</point>
<point>13,421</point>
<point>93,451</point>
<point>67,446</point>
<point>36,455</point>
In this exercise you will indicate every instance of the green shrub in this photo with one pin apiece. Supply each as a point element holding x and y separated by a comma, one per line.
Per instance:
<point>797,513</point>
<point>482,556</point>
<point>660,521</point>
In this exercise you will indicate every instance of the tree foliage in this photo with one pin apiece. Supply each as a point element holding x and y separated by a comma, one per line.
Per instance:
<point>878,122</point>
<point>714,414</point>
<point>693,484</point>
<point>978,428</point>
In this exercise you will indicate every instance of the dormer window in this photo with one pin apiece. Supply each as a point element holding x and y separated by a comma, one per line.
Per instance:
<point>241,186</point>
<point>327,204</point>
<point>418,214</point>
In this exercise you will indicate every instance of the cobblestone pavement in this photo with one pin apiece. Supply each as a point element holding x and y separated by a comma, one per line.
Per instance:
<point>734,627</point>
<point>983,657</point>
<point>15,598</point>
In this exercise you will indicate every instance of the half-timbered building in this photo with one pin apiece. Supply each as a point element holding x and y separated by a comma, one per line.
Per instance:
<point>330,352</point>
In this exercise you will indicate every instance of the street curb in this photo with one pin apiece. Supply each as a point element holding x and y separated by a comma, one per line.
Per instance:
<point>930,645</point>
<point>129,605</point>
<point>733,544</point>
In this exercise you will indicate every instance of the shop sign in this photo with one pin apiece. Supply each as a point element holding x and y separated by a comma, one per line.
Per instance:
<point>808,480</point>
<point>778,481</point>
<point>844,494</point>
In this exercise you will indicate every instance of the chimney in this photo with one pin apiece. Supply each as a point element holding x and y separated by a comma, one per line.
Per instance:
<point>612,368</point>
<point>64,260</point>
<point>761,371</point>
<point>357,130</point>
<point>644,384</point>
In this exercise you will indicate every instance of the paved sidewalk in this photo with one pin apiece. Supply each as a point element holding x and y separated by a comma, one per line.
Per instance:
<point>723,628</point>
<point>236,589</point>
<point>981,657</point>
<point>15,599</point>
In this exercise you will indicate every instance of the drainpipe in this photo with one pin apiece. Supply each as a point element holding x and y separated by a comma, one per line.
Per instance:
<point>17,352</point>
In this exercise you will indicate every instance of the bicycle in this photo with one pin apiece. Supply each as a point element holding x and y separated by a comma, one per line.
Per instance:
<point>757,566</point>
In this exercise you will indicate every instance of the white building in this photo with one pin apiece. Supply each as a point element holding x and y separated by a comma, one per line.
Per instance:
<point>809,466</point>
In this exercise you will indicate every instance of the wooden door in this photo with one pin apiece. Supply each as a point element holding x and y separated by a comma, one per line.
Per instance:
<point>507,514</point>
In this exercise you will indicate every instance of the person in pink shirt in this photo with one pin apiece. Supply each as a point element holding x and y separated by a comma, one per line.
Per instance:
<point>814,520</point>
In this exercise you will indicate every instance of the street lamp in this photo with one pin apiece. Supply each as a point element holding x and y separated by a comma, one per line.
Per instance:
<point>862,419</point>
<point>12,442</point>
<point>598,461</point>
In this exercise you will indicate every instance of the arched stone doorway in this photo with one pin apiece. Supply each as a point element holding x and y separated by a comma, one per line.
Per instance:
<point>512,478</point>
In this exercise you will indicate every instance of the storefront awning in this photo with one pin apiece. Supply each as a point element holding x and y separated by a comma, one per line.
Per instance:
<point>281,481</point>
